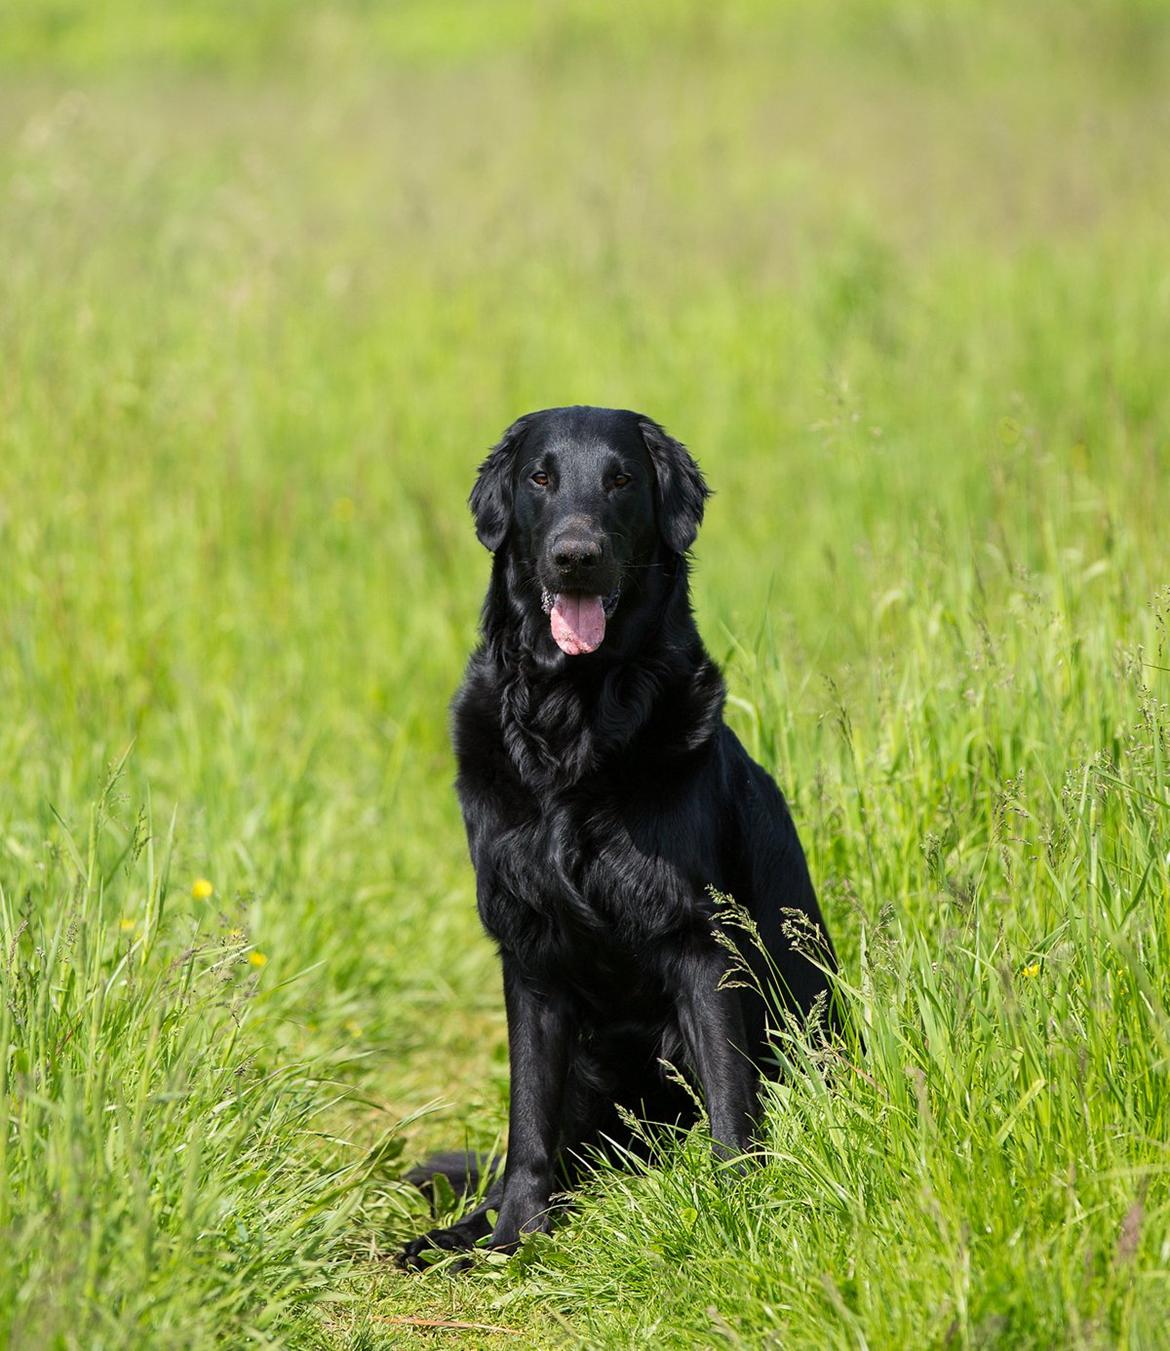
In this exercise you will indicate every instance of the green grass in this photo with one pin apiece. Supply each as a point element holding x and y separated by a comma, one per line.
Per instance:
<point>273,278</point>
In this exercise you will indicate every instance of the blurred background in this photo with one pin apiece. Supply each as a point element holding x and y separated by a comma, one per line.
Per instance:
<point>273,276</point>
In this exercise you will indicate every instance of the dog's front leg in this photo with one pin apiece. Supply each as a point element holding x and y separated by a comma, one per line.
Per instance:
<point>711,1022</point>
<point>539,1036</point>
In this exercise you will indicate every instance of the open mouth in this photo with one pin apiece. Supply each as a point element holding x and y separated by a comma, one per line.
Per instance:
<point>578,620</point>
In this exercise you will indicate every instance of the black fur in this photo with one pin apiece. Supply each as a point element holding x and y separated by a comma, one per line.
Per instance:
<point>603,795</point>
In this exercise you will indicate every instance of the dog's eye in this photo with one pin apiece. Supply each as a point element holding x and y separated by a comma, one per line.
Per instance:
<point>620,480</point>
<point>540,478</point>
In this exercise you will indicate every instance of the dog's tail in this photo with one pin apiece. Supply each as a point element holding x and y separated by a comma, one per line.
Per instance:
<point>464,1172</point>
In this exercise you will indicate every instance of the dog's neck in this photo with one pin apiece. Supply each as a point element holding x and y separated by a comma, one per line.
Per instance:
<point>563,717</point>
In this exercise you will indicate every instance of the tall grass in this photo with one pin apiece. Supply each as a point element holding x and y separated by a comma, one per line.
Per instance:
<point>992,1167</point>
<point>273,278</point>
<point>165,1178</point>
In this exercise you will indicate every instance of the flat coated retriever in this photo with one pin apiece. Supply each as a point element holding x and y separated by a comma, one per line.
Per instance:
<point>604,799</point>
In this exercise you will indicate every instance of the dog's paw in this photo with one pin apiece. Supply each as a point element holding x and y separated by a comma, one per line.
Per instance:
<point>435,1245</point>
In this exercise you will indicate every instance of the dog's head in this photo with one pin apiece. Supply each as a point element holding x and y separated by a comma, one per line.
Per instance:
<point>585,498</point>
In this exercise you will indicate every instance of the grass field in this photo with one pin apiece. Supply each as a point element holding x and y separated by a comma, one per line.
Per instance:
<point>272,277</point>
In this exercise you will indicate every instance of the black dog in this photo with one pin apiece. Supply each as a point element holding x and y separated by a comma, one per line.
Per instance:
<point>603,796</point>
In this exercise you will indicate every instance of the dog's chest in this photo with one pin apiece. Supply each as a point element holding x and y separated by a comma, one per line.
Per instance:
<point>586,857</point>
<point>570,874</point>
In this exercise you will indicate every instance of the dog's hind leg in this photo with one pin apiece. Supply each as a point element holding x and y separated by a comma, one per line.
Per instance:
<point>463,1171</point>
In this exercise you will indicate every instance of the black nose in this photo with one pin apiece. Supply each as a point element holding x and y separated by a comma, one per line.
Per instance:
<point>576,555</point>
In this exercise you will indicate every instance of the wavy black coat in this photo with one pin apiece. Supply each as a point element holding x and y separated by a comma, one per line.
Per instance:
<point>605,800</point>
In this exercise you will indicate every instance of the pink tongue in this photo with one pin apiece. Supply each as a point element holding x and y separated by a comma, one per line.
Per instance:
<point>578,623</point>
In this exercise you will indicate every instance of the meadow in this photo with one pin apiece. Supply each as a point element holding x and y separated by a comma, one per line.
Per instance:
<point>272,278</point>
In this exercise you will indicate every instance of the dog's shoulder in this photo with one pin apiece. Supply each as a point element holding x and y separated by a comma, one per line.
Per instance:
<point>476,726</point>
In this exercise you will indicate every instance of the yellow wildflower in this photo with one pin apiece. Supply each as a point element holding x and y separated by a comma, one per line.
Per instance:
<point>257,959</point>
<point>1032,969</point>
<point>354,1029</point>
<point>127,925</point>
<point>202,889</point>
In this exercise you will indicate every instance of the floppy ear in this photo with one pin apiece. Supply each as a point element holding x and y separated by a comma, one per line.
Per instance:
<point>682,489</point>
<point>491,498</point>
